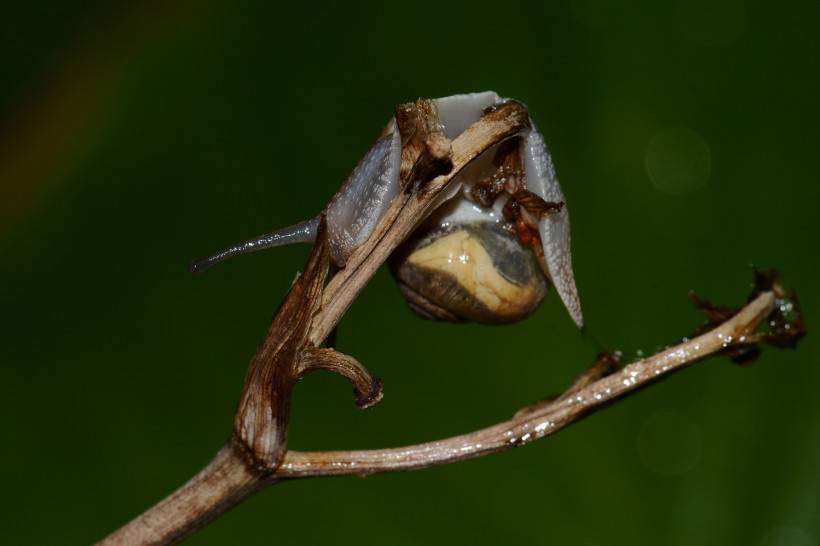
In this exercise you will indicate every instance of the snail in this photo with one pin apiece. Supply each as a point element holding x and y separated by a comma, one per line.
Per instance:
<point>486,253</point>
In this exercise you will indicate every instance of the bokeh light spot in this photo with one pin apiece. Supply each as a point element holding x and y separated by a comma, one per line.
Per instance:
<point>669,444</point>
<point>678,161</point>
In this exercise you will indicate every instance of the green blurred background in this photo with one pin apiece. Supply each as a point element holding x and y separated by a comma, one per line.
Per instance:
<point>134,138</point>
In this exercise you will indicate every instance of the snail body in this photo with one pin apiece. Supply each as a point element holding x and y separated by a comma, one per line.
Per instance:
<point>486,253</point>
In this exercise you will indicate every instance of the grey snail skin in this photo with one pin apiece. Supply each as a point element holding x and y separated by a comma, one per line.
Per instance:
<point>493,242</point>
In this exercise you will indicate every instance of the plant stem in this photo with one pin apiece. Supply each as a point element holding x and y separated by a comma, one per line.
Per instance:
<point>228,478</point>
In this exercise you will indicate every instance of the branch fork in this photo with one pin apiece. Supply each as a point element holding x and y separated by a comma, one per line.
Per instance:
<point>257,456</point>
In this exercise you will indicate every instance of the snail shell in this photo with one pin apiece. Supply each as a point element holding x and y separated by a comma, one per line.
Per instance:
<point>466,264</point>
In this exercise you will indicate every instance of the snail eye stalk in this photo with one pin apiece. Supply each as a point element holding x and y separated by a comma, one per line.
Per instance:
<point>303,232</point>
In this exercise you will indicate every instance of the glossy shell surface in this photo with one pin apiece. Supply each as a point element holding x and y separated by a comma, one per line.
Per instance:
<point>465,264</point>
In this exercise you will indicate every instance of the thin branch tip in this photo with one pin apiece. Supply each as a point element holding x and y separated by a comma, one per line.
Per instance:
<point>372,397</point>
<point>783,327</point>
<point>366,388</point>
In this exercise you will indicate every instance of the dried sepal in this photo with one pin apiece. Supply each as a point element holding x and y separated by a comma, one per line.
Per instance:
<point>426,152</point>
<point>715,313</point>
<point>783,328</point>
<point>606,364</point>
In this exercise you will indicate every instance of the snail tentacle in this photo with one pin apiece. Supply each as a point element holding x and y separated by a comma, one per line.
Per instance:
<point>303,232</point>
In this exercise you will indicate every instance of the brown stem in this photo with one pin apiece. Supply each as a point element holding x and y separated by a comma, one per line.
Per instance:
<point>529,426</point>
<point>228,479</point>
<point>223,483</point>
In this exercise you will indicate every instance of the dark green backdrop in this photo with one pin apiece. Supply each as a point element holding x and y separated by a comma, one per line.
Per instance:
<point>134,138</point>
